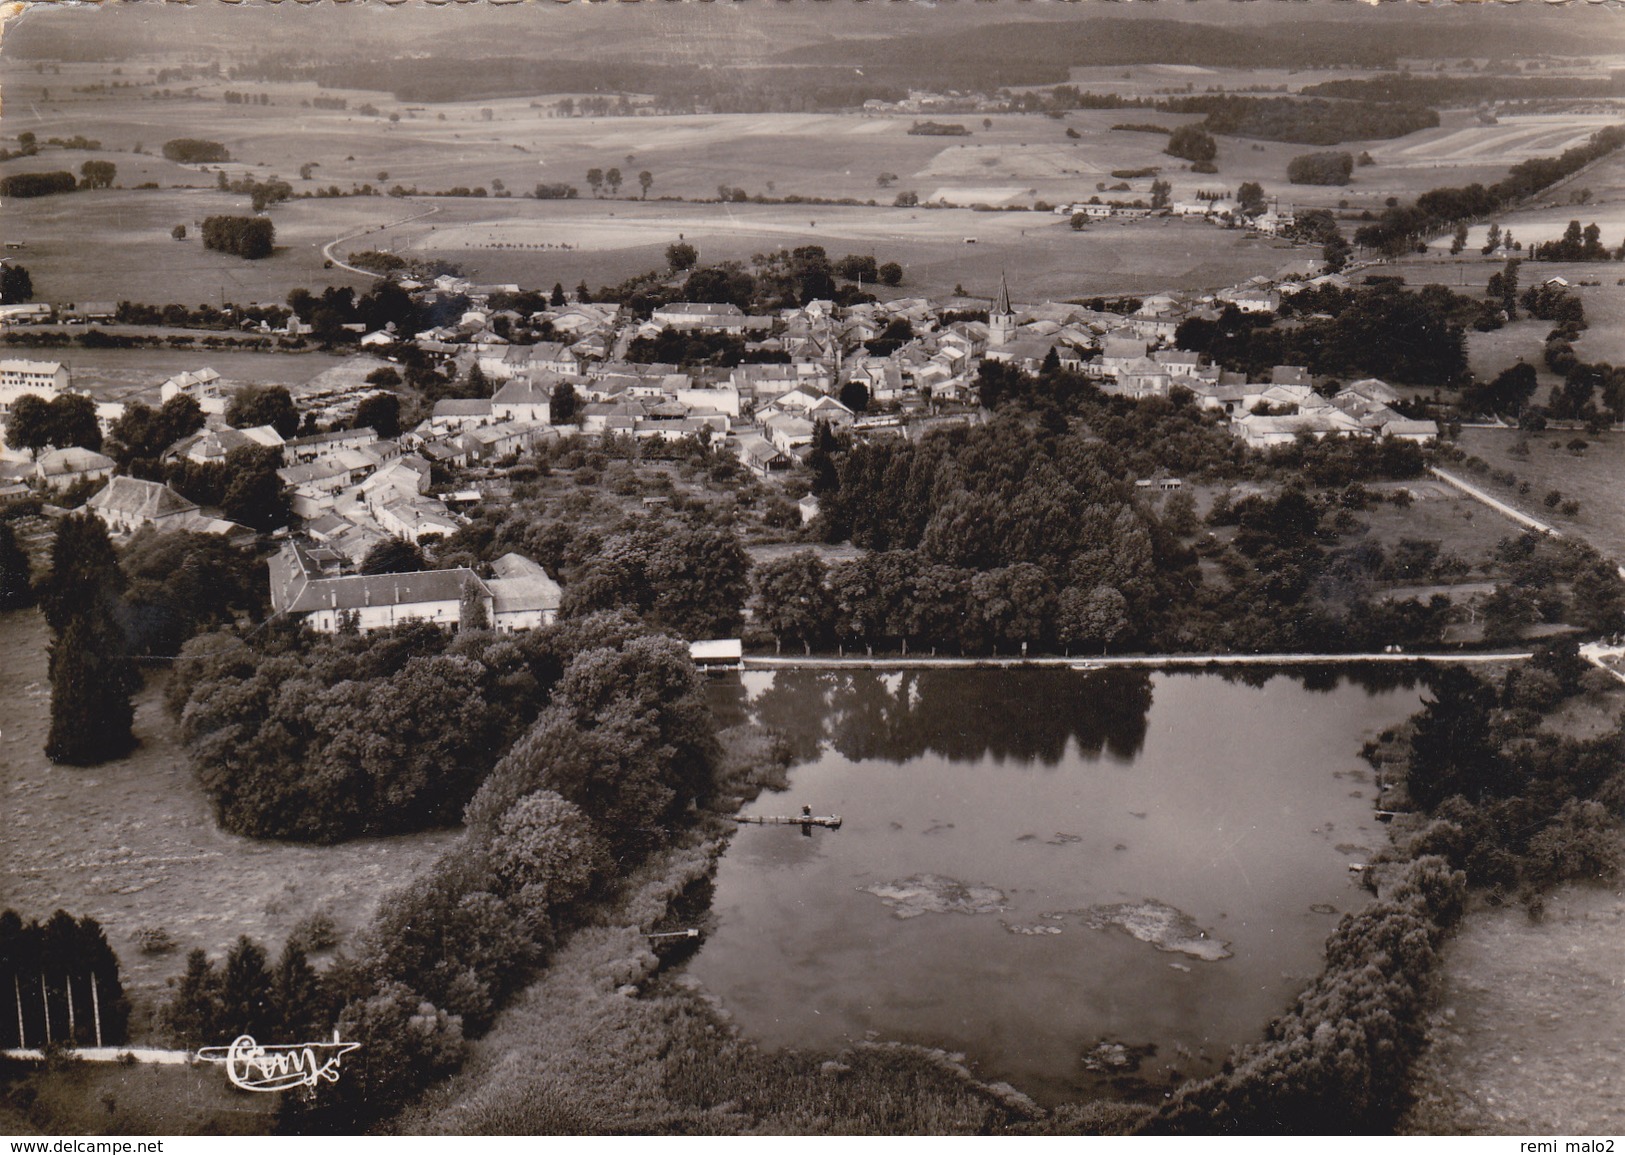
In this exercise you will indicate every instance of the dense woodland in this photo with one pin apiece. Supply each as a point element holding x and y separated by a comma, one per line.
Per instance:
<point>1489,88</point>
<point>1028,533</point>
<point>603,777</point>
<point>37,184</point>
<point>1305,121</point>
<point>1409,337</point>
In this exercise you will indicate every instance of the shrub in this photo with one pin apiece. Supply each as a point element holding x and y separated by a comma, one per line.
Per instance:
<point>315,932</point>
<point>154,940</point>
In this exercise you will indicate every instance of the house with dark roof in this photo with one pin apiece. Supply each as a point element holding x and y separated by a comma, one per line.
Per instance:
<point>210,446</point>
<point>458,413</point>
<point>303,450</point>
<point>128,503</point>
<point>519,596</point>
<point>369,601</point>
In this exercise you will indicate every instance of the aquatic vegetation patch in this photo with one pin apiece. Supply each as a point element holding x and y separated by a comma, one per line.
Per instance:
<point>1161,925</point>
<point>936,894</point>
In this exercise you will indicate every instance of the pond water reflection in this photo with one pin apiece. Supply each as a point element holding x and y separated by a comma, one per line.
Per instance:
<point>1082,880</point>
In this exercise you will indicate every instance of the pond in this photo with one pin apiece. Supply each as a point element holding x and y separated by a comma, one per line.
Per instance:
<point>1088,882</point>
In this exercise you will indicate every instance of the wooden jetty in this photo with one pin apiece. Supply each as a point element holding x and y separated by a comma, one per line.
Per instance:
<point>805,818</point>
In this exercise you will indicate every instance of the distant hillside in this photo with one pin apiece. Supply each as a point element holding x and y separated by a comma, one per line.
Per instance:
<point>1042,53</point>
<point>1444,91</point>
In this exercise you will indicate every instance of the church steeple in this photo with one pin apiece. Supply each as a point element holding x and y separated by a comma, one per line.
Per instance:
<point>1001,321</point>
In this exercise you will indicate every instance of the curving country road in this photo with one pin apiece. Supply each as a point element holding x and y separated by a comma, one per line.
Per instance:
<point>327,249</point>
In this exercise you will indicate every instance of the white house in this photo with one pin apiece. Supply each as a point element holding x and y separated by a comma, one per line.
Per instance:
<point>527,399</point>
<point>700,315</point>
<point>370,601</point>
<point>202,385</point>
<point>523,597</point>
<point>42,377</point>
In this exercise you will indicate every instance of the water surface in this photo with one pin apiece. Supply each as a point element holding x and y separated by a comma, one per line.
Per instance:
<point>1005,830</point>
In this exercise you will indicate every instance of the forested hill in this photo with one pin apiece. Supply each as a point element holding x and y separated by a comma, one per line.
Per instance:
<point>1443,91</point>
<point>1042,53</point>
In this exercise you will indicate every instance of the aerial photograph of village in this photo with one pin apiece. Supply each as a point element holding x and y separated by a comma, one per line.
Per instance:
<point>812,568</point>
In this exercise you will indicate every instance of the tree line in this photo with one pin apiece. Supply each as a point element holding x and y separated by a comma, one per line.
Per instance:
<point>281,1003</point>
<point>605,773</point>
<point>106,610</point>
<point>1322,168</point>
<point>1403,226</point>
<point>59,981</point>
<point>68,419</point>
<point>1301,121</point>
<point>190,150</point>
<point>37,184</point>
<point>1577,244</point>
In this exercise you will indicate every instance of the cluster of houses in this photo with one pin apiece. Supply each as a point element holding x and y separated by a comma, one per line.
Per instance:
<point>1272,221</point>
<point>916,361</point>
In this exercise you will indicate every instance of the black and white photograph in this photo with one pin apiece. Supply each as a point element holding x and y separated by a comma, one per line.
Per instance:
<point>812,567</point>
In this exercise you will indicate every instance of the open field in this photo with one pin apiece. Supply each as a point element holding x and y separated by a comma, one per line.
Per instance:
<point>1488,354</point>
<point>1527,1037</point>
<point>1438,513</point>
<point>115,244</point>
<point>1592,478</point>
<point>134,842</point>
<point>1596,283</point>
<point>521,241</point>
<point>1044,256</point>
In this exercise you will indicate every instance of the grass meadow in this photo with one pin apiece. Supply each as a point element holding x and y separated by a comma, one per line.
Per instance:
<point>134,843</point>
<point>76,1098</point>
<point>1591,477</point>
<point>1525,1038</point>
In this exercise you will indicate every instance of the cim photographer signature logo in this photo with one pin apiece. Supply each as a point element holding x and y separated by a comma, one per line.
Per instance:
<point>280,1067</point>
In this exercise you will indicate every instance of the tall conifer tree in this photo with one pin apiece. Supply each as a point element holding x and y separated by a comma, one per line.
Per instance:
<point>92,675</point>
<point>16,588</point>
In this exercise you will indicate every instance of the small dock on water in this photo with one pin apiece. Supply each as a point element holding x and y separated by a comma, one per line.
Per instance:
<point>806,819</point>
